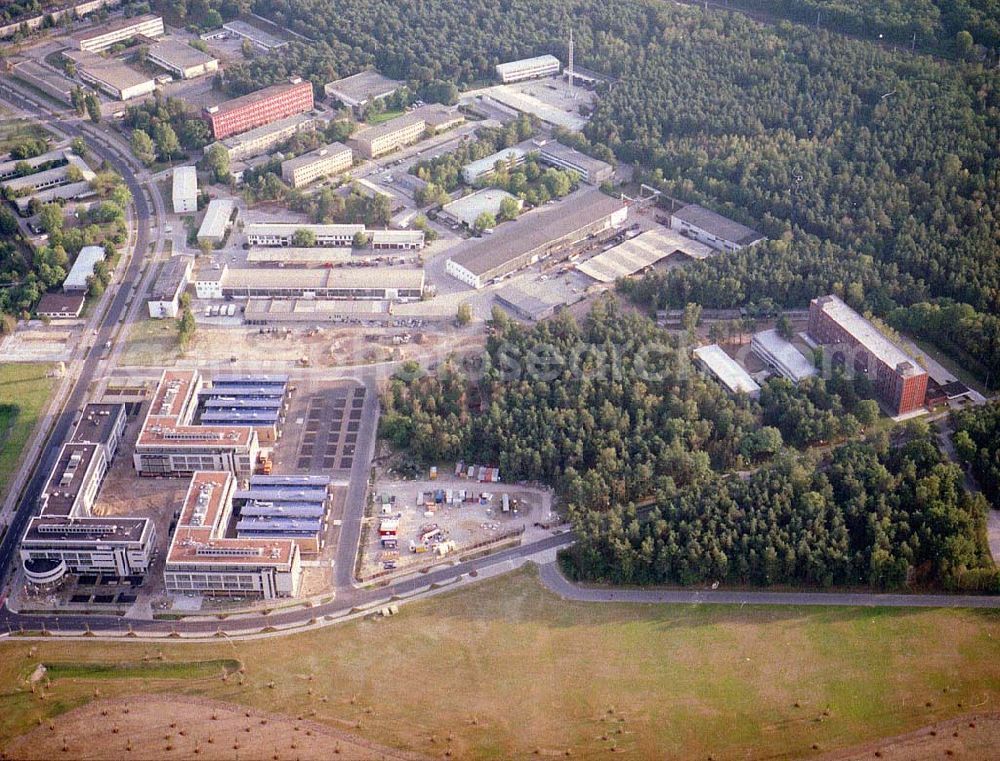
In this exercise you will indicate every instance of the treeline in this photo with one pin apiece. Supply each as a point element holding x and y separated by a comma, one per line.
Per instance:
<point>977,441</point>
<point>933,23</point>
<point>971,338</point>
<point>612,414</point>
<point>877,515</point>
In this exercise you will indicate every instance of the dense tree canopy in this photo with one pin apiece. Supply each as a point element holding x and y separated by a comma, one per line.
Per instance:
<point>612,414</point>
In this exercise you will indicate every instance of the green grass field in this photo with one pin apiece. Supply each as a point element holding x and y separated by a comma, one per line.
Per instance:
<point>12,131</point>
<point>384,117</point>
<point>504,667</point>
<point>24,390</point>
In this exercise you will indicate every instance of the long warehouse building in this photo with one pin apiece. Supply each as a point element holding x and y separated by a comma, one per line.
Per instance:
<point>385,283</point>
<point>104,36</point>
<point>536,236</point>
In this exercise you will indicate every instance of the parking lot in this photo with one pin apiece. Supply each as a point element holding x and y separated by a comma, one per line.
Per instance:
<point>429,529</point>
<point>321,429</point>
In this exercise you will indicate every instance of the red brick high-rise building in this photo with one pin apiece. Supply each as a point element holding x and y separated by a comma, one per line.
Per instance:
<point>899,381</point>
<point>259,108</point>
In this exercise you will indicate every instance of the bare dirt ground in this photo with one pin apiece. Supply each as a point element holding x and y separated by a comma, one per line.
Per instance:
<point>968,737</point>
<point>162,727</point>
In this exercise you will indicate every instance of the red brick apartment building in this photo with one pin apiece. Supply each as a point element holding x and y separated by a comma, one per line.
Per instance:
<point>899,381</point>
<point>259,108</point>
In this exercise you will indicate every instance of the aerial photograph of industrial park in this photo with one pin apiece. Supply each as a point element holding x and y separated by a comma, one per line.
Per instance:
<point>499,379</point>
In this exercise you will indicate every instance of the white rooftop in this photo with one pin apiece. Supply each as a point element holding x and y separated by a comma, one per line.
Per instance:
<point>185,182</point>
<point>640,252</point>
<point>83,268</point>
<point>726,369</point>
<point>527,63</point>
<point>216,218</point>
<point>791,363</point>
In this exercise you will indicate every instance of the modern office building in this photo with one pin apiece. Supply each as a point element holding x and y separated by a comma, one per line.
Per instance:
<point>781,355</point>
<point>218,219</point>
<point>850,340</point>
<point>259,108</point>
<point>111,76</point>
<point>536,236</point>
<point>284,507</point>
<point>165,298</point>
<point>104,36</point>
<point>315,165</point>
<point>260,39</point>
<point>528,68</point>
<point>379,283</point>
<point>181,59</point>
<point>282,233</point>
<point>255,142</point>
<point>590,170</point>
<point>65,537</point>
<point>172,443</point>
<point>254,400</point>
<point>726,370</point>
<point>373,142</point>
<point>203,559</point>
<point>83,268</point>
<point>185,190</point>
<point>358,90</point>
<point>713,229</point>
<point>484,167</point>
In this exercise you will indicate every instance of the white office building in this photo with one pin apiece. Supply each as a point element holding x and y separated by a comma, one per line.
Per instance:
<point>781,356</point>
<point>528,68</point>
<point>185,190</point>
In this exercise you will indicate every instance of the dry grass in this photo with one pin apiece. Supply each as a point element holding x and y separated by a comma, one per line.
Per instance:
<point>505,668</point>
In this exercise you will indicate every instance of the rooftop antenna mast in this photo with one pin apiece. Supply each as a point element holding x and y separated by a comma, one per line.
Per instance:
<point>569,67</point>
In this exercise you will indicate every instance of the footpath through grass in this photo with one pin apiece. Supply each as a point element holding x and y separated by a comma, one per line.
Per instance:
<point>24,391</point>
<point>505,668</point>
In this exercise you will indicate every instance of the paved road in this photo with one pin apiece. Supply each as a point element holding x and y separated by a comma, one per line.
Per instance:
<point>106,331</point>
<point>555,582</point>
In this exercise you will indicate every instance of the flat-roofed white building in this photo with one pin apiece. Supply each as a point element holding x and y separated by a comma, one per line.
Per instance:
<point>218,218</point>
<point>181,59</point>
<point>726,370</point>
<point>358,90</point>
<point>314,165</point>
<point>713,229</point>
<point>781,355</point>
<point>164,299</point>
<point>528,68</point>
<point>590,170</point>
<point>349,283</point>
<point>185,190</point>
<point>104,36</point>
<point>282,233</point>
<point>83,268</point>
<point>111,76</point>
<point>397,240</point>
<point>373,142</point>
<point>260,38</point>
<point>484,167</point>
<point>466,210</point>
